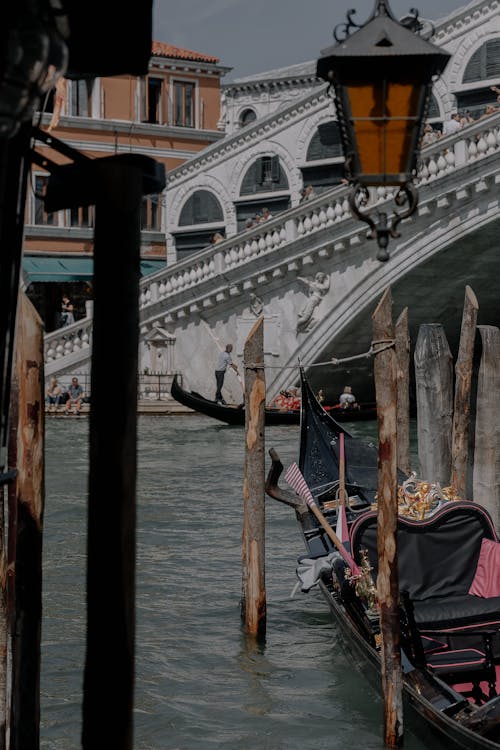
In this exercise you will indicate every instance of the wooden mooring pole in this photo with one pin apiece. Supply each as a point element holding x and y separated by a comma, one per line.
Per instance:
<point>403,396</point>
<point>253,602</point>
<point>26,506</point>
<point>434,389</point>
<point>463,387</point>
<point>387,519</point>
<point>486,485</point>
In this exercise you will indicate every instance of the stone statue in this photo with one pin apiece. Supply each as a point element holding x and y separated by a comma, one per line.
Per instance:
<point>318,287</point>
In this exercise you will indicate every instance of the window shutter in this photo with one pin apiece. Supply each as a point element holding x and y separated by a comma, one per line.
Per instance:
<point>275,169</point>
<point>493,58</point>
<point>474,67</point>
<point>201,208</point>
<point>325,144</point>
<point>261,171</point>
<point>433,107</point>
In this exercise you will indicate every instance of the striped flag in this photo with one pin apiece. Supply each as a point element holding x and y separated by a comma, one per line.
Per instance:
<point>296,480</point>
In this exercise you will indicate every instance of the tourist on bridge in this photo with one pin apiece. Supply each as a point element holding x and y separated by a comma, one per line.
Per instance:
<point>223,362</point>
<point>453,125</point>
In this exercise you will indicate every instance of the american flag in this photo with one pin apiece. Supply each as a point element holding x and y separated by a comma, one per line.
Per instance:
<point>296,480</point>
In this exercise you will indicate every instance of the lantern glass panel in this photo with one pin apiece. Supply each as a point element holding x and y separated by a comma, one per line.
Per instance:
<point>385,115</point>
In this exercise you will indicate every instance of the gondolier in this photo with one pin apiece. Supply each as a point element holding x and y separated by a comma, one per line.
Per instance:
<point>224,361</point>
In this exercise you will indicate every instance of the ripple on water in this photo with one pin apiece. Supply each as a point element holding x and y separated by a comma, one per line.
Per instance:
<point>200,683</point>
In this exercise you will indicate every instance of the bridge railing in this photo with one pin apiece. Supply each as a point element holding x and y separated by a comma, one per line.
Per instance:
<point>325,210</point>
<point>71,339</point>
<point>474,142</point>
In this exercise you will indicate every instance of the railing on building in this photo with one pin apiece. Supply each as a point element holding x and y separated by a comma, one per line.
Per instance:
<point>156,386</point>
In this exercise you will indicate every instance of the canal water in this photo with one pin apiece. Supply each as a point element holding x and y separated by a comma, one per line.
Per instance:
<point>200,684</point>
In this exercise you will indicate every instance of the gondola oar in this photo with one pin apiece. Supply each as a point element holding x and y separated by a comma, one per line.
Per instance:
<point>296,480</point>
<point>220,346</point>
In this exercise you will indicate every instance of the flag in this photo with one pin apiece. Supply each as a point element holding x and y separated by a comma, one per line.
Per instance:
<point>296,480</point>
<point>341,528</point>
<point>59,99</point>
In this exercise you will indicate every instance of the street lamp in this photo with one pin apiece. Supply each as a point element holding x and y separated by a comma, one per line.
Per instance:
<point>382,75</point>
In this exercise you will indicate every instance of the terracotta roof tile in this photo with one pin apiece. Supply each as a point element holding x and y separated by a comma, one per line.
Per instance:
<point>168,50</point>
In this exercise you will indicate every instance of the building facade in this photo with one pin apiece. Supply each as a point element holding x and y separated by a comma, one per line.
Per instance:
<point>171,114</point>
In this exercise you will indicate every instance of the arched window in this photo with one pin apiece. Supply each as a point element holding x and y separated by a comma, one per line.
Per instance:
<point>325,143</point>
<point>201,208</point>
<point>246,117</point>
<point>484,63</point>
<point>264,176</point>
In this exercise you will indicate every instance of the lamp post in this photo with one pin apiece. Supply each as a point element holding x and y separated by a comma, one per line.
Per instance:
<point>381,74</point>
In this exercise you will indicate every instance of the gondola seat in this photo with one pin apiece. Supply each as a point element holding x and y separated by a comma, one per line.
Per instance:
<point>470,661</point>
<point>437,560</point>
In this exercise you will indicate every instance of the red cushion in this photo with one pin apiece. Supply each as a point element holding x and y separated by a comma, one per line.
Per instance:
<point>486,581</point>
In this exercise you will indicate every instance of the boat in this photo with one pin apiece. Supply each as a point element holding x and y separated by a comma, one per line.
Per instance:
<point>450,638</point>
<point>234,414</point>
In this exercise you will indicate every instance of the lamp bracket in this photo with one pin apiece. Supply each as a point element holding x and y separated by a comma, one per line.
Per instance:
<point>382,228</point>
<point>420,26</point>
<point>343,30</point>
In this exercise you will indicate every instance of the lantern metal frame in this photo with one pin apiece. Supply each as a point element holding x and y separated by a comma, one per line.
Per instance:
<point>380,45</point>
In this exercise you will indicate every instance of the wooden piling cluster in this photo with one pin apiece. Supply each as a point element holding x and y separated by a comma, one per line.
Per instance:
<point>458,446</point>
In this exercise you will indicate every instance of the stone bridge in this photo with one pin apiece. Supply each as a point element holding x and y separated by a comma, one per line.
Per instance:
<point>314,276</point>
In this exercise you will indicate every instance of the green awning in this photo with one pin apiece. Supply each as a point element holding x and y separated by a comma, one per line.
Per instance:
<point>72,269</point>
<point>150,266</point>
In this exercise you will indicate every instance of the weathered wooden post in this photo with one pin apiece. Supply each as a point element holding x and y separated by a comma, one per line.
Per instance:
<point>387,520</point>
<point>486,485</point>
<point>26,506</point>
<point>403,398</point>
<point>253,603</point>
<point>463,385</point>
<point>434,389</point>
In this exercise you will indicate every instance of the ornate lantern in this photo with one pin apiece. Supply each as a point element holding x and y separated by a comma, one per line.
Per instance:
<point>382,78</point>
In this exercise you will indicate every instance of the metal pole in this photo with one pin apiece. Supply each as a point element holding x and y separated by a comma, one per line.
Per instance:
<point>109,663</point>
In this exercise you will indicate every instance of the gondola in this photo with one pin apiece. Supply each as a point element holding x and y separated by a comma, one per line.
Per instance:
<point>235,414</point>
<point>450,638</point>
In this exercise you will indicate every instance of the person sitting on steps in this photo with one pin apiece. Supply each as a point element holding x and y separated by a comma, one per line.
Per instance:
<point>53,394</point>
<point>75,392</point>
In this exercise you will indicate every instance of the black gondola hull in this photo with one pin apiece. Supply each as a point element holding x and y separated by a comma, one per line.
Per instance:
<point>434,710</point>
<point>235,415</point>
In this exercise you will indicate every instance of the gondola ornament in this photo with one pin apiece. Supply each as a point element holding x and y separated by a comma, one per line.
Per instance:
<point>381,75</point>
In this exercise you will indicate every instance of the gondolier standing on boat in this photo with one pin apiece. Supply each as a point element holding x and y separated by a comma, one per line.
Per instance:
<point>223,362</point>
